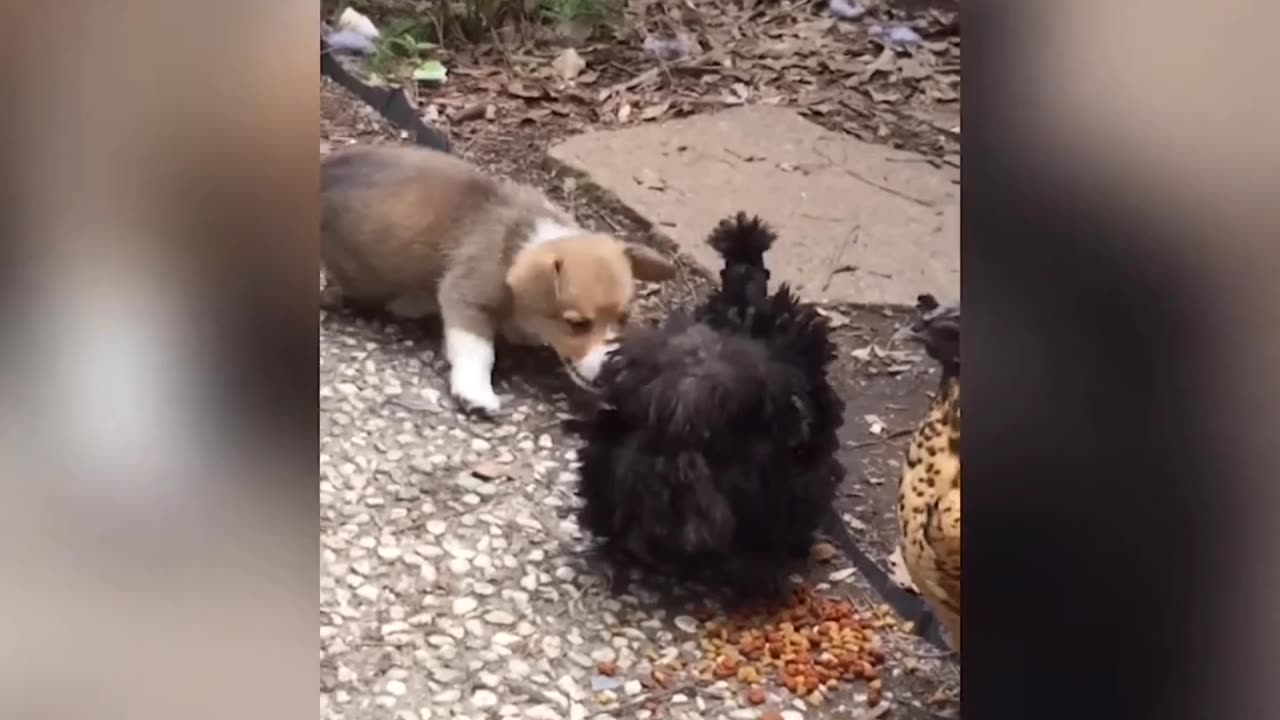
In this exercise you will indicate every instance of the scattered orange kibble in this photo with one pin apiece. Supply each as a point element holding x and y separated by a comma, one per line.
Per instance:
<point>809,647</point>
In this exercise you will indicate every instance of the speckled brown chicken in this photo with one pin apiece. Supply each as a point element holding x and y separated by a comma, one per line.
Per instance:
<point>929,494</point>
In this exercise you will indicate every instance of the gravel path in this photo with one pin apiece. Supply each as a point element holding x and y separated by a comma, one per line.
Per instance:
<point>455,582</point>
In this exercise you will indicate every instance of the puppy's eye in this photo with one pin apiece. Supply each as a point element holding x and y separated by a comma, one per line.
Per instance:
<point>579,325</point>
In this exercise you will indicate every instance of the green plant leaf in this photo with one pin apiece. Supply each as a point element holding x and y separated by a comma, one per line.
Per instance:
<point>431,71</point>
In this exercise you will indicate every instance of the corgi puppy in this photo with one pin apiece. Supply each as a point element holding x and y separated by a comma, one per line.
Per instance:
<point>419,232</point>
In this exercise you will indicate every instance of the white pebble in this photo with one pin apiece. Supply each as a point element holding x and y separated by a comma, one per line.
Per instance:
<point>552,646</point>
<point>500,617</point>
<point>480,445</point>
<point>484,699</point>
<point>464,605</point>
<point>388,553</point>
<point>632,687</point>
<point>447,697</point>
<point>686,623</point>
<point>503,639</point>
<point>792,715</point>
<point>840,575</point>
<point>396,687</point>
<point>542,712</point>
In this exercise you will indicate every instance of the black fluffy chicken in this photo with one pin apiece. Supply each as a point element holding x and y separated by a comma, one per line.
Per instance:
<point>713,455</point>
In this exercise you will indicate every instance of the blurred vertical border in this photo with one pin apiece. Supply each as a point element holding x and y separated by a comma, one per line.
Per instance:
<point>1119,253</point>
<point>158,363</point>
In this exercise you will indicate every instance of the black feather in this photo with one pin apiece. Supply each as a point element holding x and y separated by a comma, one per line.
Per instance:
<point>713,457</point>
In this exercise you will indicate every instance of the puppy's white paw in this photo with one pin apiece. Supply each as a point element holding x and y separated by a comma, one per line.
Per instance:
<point>474,392</point>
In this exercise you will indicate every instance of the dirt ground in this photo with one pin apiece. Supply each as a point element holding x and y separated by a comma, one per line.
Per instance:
<point>886,388</point>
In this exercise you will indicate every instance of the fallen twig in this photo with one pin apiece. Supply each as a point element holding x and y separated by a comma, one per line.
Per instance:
<point>836,269</point>
<point>883,438</point>
<point>625,709</point>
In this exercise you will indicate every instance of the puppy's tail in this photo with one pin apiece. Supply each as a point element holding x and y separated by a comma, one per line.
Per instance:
<point>742,242</point>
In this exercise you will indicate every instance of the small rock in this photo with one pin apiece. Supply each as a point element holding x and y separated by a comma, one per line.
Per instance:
<point>484,699</point>
<point>632,687</point>
<point>388,553</point>
<point>499,617</point>
<point>824,551</point>
<point>542,712</point>
<point>447,697</point>
<point>437,527</point>
<point>686,623</point>
<point>792,715</point>
<point>464,605</point>
<point>552,646</point>
<point>428,572</point>
<point>481,445</point>
<point>505,639</point>
<point>396,687</point>
<point>488,471</point>
<point>544,442</point>
<point>601,683</point>
<point>841,575</point>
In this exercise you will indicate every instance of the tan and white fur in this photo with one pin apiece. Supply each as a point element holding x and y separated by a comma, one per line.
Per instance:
<point>418,232</point>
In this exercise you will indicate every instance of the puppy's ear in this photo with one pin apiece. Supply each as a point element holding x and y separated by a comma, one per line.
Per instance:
<point>648,264</point>
<point>534,276</point>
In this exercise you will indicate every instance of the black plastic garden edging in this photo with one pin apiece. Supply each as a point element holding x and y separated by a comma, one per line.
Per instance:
<point>390,103</point>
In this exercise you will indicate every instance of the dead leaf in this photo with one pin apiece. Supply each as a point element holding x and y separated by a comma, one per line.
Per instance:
<point>943,93</point>
<point>473,112</point>
<point>884,96</point>
<point>568,64</point>
<point>913,68</point>
<point>517,88</point>
<point>535,115</point>
<point>834,319</point>
<point>885,63</point>
<point>653,112</point>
